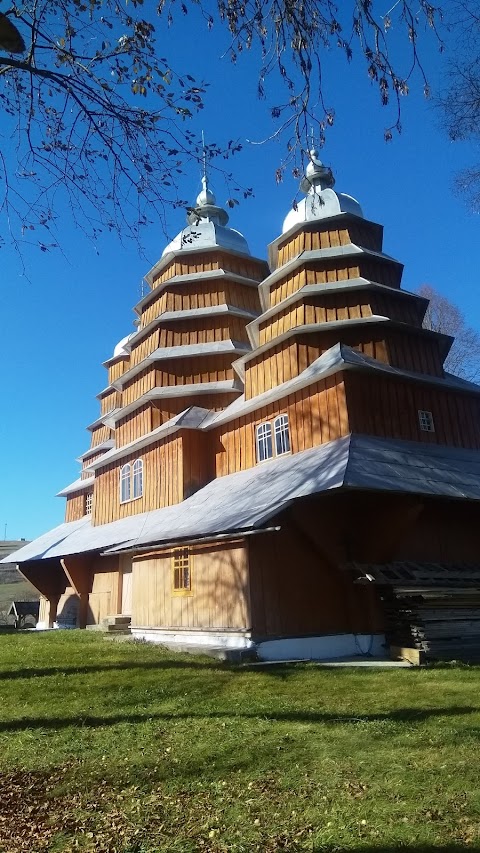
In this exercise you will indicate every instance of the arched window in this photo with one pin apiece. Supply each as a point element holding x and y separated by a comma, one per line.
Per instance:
<point>137,478</point>
<point>125,483</point>
<point>282,435</point>
<point>264,442</point>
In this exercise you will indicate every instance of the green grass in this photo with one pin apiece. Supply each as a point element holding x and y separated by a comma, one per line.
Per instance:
<point>125,748</point>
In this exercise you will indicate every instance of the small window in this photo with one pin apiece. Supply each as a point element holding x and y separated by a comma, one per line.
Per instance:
<point>282,435</point>
<point>138,478</point>
<point>182,571</point>
<point>264,442</point>
<point>425,420</point>
<point>125,471</point>
<point>88,503</point>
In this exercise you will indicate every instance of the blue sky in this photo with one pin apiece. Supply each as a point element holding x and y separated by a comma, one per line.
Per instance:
<point>63,319</point>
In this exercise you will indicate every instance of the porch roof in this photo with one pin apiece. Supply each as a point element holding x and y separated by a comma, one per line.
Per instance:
<point>247,499</point>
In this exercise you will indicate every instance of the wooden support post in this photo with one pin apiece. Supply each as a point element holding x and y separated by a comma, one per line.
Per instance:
<point>52,608</point>
<point>79,573</point>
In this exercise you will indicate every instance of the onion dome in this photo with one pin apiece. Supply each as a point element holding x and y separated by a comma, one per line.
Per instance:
<point>207,227</point>
<point>122,348</point>
<point>321,199</point>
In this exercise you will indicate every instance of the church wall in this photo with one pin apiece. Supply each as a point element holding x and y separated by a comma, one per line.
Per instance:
<point>219,596</point>
<point>99,434</point>
<point>295,591</point>
<point>110,401</point>
<point>212,260</point>
<point>445,532</point>
<point>134,425</point>
<point>323,235</point>
<point>198,294</point>
<point>201,330</point>
<point>75,506</point>
<point>116,369</point>
<point>327,271</point>
<point>316,414</point>
<point>104,598</point>
<point>327,307</point>
<point>181,371</point>
<point>389,407</point>
<point>162,482</point>
<point>288,359</point>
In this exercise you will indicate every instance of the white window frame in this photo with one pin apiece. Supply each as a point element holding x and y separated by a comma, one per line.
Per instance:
<point>125,483</point>
<point>264,435</point>
<point>88,503</point>
<point>281,432</point>
<point>425,421</point>
<point>137,479</point>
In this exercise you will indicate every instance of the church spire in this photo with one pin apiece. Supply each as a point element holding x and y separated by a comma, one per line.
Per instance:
<point>316,174</point>
<point>205,205</point>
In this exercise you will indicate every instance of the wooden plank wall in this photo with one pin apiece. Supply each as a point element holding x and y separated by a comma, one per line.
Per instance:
<point>134,425</point>
<point>198,460</point>
<point>336,269</point>
<point>156,413</point>
<point>366,234</point>
<point>110,401</point>
<point>327,307</point>
<point>100,433</point>
<point>75,506</point>
<point>201,330</point>
<point>198,294</point>
<point>389,407</point>
<point>296,591</point>
<point>181,371</point>
<point>317,414</point>
<point>220,590</point>
<point>118,368</point>
<point>206,261</point>
<point>289,358</point>
<point>103,600</point>
<point>162,482</point>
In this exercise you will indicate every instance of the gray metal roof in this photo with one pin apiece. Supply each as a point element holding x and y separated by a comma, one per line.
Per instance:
<point>248,499</point>
<point>77,486</point>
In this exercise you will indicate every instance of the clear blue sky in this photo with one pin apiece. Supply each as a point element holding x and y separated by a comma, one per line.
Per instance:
<point>61,322</point>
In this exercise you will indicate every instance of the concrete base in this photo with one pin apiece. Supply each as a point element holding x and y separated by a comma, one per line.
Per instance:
<point>323,648</point>
<point>218,643</point>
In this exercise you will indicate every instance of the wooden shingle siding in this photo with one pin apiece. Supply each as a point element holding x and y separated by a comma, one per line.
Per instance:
<point>197,294</point>
<point>318,236</point>
<point>316,415</point>
<point>162,482</point>
<point>389,407</point>
<point>220,591</point>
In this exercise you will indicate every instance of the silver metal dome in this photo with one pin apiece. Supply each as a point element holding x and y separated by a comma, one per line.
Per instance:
<point>321,199</point>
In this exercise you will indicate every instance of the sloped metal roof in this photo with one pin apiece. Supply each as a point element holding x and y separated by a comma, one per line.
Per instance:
<point>248,499</point>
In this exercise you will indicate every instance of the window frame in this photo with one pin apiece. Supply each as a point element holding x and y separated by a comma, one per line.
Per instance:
<point>88,503</point>
<point>261,440</point>
<point>126,480</point>
<point>182,561</point>
<point>281,429</point>
<point>137,476</point>
<point>426,421</point>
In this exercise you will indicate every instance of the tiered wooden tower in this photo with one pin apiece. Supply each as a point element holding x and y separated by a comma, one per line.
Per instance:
<point>278,451</point>
<point>191,327</point>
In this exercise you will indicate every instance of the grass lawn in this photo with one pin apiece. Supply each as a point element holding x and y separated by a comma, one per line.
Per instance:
<point>123,747</point>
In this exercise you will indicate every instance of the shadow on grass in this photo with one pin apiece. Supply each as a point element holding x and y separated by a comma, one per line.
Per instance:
<point>412,715</point>
<point>45,671</point>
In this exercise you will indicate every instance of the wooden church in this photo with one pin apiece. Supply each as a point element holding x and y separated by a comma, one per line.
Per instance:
<point>280,462</point>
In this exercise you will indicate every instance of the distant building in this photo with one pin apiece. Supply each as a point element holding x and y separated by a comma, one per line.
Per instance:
<point>280,460</point>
